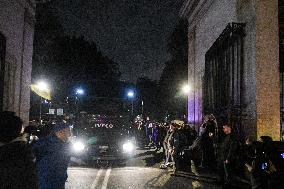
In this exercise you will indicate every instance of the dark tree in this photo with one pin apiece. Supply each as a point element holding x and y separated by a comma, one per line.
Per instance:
<point>175,74</point>
<point>66,61</point>
<point>147,91</point>
<point>79,61</point>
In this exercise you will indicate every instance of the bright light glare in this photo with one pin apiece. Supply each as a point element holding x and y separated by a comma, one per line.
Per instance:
<point>128,147</point>
<point>186,89</point>
<point>42,86</point>
<point>130,94</point>
<point>78,146</point>
<point>80,91</point>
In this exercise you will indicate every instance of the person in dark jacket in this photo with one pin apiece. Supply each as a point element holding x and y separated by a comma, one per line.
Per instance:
<point>163,134</point>
<point>52,157</point>
<point>252,160</point>
<point>228,153</point>
<point>17,167</point>
<point>174,144</point>
<point>207,141</point>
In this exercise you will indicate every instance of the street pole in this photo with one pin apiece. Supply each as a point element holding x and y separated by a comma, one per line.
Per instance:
<point>142,103</point>
<point>130,95</point>
<point>40,110</point>
<point>77,108</point>
<point>132,108</point>
<point>79,92</point>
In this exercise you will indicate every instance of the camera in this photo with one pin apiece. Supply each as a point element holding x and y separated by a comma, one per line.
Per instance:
<point>264,166</point>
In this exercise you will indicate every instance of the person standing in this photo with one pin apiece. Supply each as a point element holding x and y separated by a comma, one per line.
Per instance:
<point>166,148</point>
<point>158,136</point>
<point>174,142</point>
<point>252,161</point>
<point>208,135</point>
<point>52,157</point>
<point>17,168</point>
<point>228,153</point>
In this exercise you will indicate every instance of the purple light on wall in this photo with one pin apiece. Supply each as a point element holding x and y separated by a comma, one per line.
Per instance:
<point>198,109</point>
<point>190,109</point>
<point>194,109</point>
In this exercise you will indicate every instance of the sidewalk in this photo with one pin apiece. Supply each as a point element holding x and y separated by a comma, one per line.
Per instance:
<point>199,174</point>
<point>206,175</point>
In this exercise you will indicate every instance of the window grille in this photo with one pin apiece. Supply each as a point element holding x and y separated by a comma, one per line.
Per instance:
<point>223,76</point>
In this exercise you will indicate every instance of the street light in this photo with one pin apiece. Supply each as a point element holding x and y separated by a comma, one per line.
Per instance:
<point>130,94</point>
<point>80,91</point>
<point>42,86</point>
<point>186,89</point>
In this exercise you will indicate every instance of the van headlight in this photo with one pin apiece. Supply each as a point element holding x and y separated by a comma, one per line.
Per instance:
<point>78,146</point>
<point>128,147</point>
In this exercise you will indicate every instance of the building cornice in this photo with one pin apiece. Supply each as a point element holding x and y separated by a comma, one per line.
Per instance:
<point>187,7</point>
<point>28,4</point>
<point>32,4</point>
<point>193,10</point>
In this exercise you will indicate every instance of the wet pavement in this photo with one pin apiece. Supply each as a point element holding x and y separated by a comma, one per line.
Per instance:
<point>139,172</point>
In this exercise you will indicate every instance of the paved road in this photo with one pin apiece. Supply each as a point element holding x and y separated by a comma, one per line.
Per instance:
<point>140,172</point>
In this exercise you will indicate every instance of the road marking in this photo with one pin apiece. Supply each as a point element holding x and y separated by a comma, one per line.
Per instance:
<point>95,183</point>
<point>104,186</point>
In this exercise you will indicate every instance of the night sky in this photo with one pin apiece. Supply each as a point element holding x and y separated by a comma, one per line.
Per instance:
<point>133,33</point>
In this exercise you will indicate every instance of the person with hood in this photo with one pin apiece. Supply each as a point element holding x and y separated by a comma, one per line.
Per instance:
<point>52,157</point>
<point>17,167</point>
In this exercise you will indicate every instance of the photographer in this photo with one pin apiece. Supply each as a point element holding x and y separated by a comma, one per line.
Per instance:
<point>17,168</point>
<point>252,161</point>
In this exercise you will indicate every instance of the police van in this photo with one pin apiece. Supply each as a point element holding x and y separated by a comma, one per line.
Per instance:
<point>103,138</point>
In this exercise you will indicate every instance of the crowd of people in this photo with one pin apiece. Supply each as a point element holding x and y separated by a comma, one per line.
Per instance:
<point>214,147</point>
<point>28,165</point>
<point>43,164</point>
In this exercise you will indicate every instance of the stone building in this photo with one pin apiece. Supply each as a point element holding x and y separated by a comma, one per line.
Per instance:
<point>234,64</point>
<point>17,19</point>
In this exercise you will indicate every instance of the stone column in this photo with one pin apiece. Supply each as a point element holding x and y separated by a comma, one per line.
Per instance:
<point>267,69</point>
<point>191,77</point>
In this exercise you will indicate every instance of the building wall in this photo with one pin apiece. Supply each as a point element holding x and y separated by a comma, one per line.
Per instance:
<point>207,19</point>
<point>267,68</point>
<point>17,25</point>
